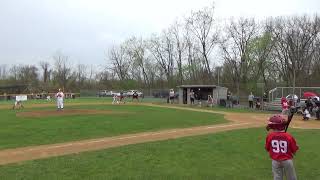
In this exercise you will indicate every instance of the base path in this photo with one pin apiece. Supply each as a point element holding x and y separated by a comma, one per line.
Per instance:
<point>238,121</point>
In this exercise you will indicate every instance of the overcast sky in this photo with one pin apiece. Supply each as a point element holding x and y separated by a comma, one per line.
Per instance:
<point>33,30</point>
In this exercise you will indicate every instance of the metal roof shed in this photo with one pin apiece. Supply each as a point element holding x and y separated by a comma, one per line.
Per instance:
<point>201,92</point>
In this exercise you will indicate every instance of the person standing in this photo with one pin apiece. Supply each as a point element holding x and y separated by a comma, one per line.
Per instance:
<point>60,97</point>
<point>210,101</point>
<point>265,97</point>
<point>135,96</point>
<point>229,99</point>
<point>309,104</point>
<point>191,94</point>
<point>281,147</point>
<point>317,108</point>
<point>171,96</point>
<point>250,99</point>
<point>284,106</point>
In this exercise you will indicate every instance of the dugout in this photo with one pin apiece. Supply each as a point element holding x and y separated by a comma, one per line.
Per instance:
<point>201,92</point>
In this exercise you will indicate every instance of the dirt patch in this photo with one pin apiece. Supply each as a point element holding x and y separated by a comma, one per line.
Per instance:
<point>66,112</point>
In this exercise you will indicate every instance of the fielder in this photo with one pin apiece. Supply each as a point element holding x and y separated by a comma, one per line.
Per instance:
<point>281,147</point>
<point>135,96</point>
<point>17,105</point>
<point>18,102</point>
<point>60,97</point>
<point>115,99</point>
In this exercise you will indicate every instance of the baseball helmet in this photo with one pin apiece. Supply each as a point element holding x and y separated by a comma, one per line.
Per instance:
<point>277,122</point>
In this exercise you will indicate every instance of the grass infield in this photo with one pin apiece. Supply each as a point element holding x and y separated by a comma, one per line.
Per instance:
<point>25,131</point>
<point>236,154</point>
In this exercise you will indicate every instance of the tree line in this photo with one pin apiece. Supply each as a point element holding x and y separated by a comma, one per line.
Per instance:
<point>238,53</point>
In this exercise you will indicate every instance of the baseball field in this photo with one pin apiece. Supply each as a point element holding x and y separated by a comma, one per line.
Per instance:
<point>93,139</point>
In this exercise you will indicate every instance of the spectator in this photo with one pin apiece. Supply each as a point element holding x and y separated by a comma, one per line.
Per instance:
<point>317,108</point>
<point>191,94</point>
<point>171,96</point>
<point>265,97</point>
<point>199,97</point>
<point>229,99</point>
<point>210,101</point>
<point>250,99</point>
<point>258,103</point>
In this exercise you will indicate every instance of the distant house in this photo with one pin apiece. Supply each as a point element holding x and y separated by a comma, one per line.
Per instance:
<point>201,93</point>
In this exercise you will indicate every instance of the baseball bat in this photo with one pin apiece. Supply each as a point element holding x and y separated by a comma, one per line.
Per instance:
<point>290,116</point>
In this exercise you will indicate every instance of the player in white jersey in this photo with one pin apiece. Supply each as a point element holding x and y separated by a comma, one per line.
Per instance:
<point>60,97</point>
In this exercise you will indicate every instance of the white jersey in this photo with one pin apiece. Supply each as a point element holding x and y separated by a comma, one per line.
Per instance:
<point>60,96</point>
<point>171,94</point>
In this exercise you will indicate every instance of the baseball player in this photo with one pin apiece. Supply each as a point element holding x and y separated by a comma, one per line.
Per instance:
<point>284,106</point>
<point>135,96</point>
<point>115,99</point>
<point>281,147</point>
<point>60,97</point>
<point>17,105</point>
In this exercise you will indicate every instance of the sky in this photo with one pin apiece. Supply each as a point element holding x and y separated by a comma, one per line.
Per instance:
<point>34,30</point>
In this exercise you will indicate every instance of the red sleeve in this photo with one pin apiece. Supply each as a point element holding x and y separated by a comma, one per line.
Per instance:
<point>293,145</point>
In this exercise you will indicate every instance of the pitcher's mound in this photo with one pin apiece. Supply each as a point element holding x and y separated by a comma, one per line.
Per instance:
<point>45,113</point>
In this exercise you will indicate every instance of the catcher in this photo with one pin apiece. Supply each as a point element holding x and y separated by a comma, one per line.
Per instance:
<point>281,147</point>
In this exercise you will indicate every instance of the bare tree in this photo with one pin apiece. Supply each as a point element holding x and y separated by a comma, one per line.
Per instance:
<point>91,73</point>
<point>201,25</point>
<point>81,74</point>
<point>14,72</point>
<point>235,48</point>
<point>136,51</point>
<point>162,50</point>
<point>295,46</point>
<point>260,49</point>
<point>28,74</point>
<point>192,56</point>
<point>62,71</point>
<point>3,71</point>
<point>45,70</point>
<point>120,64</point>
<point>180,46</point>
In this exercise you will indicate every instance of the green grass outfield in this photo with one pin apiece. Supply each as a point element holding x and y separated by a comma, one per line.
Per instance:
<point>23,131</point>
<point>230,155</point>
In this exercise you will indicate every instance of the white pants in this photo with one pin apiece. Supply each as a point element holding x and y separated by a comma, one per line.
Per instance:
<point>115,100</point>
<point>60,103</point>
